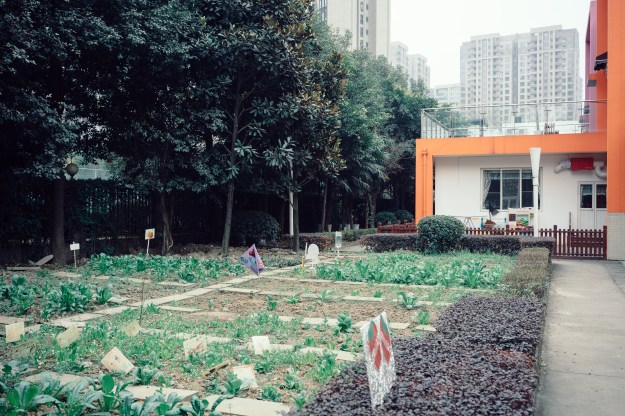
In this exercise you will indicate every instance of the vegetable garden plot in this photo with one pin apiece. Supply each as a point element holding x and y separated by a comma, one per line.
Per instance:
<point>37,297</point>
<point>159,358</point>
<point>386,292</point>
<point>458,269</point>
<point>285,372</point>
<point>325,306</point>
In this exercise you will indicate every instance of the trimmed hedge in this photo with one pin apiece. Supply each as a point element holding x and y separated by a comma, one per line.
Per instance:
<point>503,244</point>
<point>440,233</point>
<point>544,242</point>
<point>384,217</point>
<point>530,275</point>
<point>403,215</point>
<point>390,242</point>
<point>500,244</point>
<point>254,227</point>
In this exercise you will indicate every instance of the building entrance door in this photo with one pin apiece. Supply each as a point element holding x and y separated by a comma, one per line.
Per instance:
<point>592,206</point>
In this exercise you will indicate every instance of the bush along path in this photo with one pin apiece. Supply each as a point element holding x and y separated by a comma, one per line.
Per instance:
<point>481,362</point>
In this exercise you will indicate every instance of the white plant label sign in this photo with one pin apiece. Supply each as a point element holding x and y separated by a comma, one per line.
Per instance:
<point>379,358</point>
<point>261,344</point>
<point>245,373</point>
<point>150,233</point>
<point>338,239</point>
<point>74,246</point>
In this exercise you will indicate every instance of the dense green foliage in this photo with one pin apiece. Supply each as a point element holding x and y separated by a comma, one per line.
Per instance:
<point>254,227</point>
<point>385,217</point>
<point>503,244</point>
<point>379,243</point>
<point>403,215</point>
<point>440,233</point>
<point>189,269</point>
<point>468,270</point>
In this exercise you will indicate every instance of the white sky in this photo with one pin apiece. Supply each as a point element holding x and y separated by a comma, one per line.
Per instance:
<point>437,28</point>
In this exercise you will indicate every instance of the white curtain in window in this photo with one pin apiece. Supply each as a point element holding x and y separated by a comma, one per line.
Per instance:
<point>486,180</point>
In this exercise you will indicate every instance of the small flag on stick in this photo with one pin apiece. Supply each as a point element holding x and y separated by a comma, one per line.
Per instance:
<point>251,259</point>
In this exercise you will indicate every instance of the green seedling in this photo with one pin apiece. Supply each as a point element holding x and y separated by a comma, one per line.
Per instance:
<point>143,376</point>
<point>407,300</point>
<point>271,304</point>
<point>378,293</point>
<point>291,382</point>
<point>326,295</point>
<point>232,386</point>
<point>292,300</point>
<point>111,394</point>
<point>271,394</point>
<point>423,317</point>
<point>300,399</point>
<point>104,294</point>
<point>344,322</point>
<point>26,397</point>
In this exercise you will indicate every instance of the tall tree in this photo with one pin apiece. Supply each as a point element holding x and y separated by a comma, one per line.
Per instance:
<point>155,102</point>
<point>45,84</point>
<point>261,58</point>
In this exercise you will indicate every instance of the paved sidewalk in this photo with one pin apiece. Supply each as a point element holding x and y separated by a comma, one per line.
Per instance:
<point>583,350</point>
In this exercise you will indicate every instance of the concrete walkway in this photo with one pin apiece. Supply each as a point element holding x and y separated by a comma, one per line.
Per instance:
<point>583,350</point>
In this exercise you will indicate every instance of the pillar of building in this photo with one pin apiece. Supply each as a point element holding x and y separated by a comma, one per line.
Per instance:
<point>616,127</point>
<point>601,37</point>
<point>424,181</point>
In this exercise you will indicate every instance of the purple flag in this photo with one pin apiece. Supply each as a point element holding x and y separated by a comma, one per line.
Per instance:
<point>251,259</point>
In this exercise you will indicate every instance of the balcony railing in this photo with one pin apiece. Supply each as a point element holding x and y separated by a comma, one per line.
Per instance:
<point>564,117</point>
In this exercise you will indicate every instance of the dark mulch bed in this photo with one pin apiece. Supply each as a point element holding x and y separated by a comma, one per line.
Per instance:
<point>482,363</point>
<point>508,323</point>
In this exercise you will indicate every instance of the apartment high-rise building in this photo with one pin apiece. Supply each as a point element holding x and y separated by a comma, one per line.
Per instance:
<point>368,21</point>
<point>447,94</point>
<point>537,67</point>
<point>414,65</point>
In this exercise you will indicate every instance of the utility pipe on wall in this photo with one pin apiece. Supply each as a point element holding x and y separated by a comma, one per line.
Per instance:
<point>535,158</point>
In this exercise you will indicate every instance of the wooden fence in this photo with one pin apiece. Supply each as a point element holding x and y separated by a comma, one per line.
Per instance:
<point>570,243</point>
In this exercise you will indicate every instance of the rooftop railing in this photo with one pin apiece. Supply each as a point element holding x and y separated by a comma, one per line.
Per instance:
<point>564,117</point>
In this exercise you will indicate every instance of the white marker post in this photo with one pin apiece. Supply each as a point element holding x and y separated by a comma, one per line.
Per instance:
<point>74,247</point>
<point>338,242</point>
<point>150,233</point>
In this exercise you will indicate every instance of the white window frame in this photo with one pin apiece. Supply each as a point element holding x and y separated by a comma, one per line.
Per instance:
<point>540,187</point>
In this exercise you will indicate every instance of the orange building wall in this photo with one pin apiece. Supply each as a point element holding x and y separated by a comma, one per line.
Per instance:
<point>616,104</point>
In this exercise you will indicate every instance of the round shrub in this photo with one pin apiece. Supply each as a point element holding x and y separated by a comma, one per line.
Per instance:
<point>403,215</point>
<point>440,233</point>
<point>254,227</point>
<point>384,217</point>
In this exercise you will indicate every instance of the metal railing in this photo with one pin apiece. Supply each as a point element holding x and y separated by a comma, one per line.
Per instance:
<point>564,117</point>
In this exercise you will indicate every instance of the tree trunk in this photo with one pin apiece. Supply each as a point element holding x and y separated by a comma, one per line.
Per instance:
<point>373,198</point>
<point>167,214</point>
<point>295,246</point>
<point>330,206</point>
<point>57,230</point>
<point>225,242</point>
<point>323,206</point>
